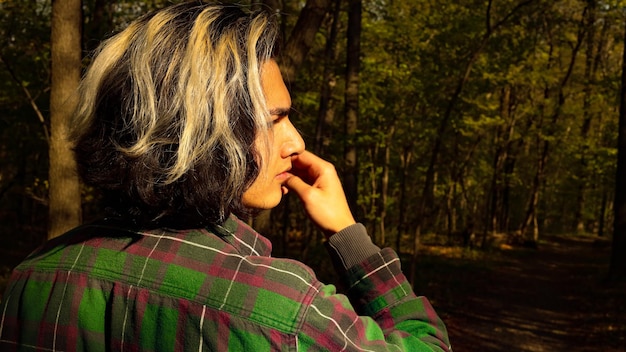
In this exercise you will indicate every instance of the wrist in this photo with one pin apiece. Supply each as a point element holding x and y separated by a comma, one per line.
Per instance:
<point>339,227</point>
<point>351,246</point>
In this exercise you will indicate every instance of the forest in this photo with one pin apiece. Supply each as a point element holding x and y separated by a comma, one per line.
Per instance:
<point>476,124</point>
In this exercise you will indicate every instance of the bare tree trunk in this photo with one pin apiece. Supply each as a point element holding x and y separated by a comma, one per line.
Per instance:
<point>602,212</point>
<point>501,141</point>
<point>99,25</point>
<point>451,223</point>
<point>353,65</point>
<point>384,186</point>
<point>65,200</point>
<point>406,164</point>
<point>509,169</point>
<point>326,112</point>
<point>589,76</point>
<point>370,209</point>
<point>531,207</point>
<point>31,100</point>
<point>617,268</point>
<point>302,37</point>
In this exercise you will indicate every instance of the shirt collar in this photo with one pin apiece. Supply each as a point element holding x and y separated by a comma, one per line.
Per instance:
<point>243,237</point>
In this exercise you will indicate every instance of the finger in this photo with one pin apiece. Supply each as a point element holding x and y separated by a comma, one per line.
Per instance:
<point>297,185</point>
<point>310,167</point>
<point>305,157</point>
<point>306,161</point>
<point>304,174</point>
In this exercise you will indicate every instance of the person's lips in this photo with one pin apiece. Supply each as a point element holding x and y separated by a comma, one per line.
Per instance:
<point>284,175</point>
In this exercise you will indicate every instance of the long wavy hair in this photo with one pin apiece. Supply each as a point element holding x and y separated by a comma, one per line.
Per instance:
<point>169,111</point>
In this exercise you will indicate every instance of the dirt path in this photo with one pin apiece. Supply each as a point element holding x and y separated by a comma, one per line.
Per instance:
<point>550,299</point>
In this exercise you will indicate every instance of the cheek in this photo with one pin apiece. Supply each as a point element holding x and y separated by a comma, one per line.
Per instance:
<point>265,193</point>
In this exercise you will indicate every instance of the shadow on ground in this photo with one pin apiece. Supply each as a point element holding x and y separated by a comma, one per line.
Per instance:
<point>549,299</point>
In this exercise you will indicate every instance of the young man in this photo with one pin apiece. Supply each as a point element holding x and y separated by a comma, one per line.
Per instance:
<point>183,122</point>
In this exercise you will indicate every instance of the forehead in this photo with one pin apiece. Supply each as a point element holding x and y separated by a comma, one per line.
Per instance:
<point>276,93</point>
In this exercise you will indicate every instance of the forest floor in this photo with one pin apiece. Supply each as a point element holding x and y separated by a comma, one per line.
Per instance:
<point>553,298</point>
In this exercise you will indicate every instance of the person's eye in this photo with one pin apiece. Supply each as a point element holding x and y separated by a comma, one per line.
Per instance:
<point>271,123</point>
<point>277,116</point>
<point>276,119</point>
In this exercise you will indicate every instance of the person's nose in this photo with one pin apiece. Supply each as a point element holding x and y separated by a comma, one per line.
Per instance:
<point>293,142</point>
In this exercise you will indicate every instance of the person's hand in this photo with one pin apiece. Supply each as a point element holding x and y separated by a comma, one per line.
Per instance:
<point>316,182</point>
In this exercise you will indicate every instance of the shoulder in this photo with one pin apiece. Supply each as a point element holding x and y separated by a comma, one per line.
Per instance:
<point>196,266</point>
<point>273,292</point>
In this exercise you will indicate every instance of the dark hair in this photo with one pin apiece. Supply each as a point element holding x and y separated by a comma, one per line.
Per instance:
<point>169,112</point>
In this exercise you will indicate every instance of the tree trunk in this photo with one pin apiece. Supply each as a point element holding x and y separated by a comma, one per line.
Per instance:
<point>602,213</point>
<point>509,169</point>
<point>326,113</point>
<point>589,79</point>
<point>99,25</point>
<point>302,37</point>
<point>370,209</point>
<point>617,269</point>
<point>501,141</point>
<point>65,47</point>
<point>406,164</point>
<point>353,63</point>
<point>384,186</point>
<point>31,100</point>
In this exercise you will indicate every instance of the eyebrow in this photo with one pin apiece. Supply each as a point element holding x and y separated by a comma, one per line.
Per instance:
<point>280,111</point>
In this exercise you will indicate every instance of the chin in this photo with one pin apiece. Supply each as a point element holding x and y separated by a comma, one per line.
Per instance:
<point>264,203</point>
<point>273,203</point>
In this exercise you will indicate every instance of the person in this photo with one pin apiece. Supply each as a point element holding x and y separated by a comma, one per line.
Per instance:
<point>183,122</point>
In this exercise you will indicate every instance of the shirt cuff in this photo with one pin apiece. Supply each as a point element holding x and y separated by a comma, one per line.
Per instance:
<point>351,246</point>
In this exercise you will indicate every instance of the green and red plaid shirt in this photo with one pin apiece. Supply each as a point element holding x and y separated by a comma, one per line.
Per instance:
<point>102,287</point>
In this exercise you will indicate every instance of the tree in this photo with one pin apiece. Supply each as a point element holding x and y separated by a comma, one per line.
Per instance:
<point>457,102</point>
<point>64,195</point>
<point>353,60</point>
<point>302,37</point>
<point>326,112</point>
<point>551,123</point>
<point>617,268</point>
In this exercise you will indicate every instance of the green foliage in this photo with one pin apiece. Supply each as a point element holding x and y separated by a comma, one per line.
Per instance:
<point>414,55</point>
<point>24,67</point>
<point>519,103</point>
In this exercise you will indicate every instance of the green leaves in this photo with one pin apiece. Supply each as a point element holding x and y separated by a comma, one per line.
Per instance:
<point>518,98</point>
<point>513,102</point>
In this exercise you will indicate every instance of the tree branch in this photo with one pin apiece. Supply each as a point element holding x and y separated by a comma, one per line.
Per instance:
<point>29,97</point>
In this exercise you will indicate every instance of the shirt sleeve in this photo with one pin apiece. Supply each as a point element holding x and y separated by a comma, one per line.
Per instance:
<point>380,311</point>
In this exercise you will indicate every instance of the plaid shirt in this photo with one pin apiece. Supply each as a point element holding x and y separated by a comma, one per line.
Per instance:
<point>101,287</point>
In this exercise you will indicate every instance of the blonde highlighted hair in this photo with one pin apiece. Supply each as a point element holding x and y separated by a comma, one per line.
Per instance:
<point>169,111</point>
